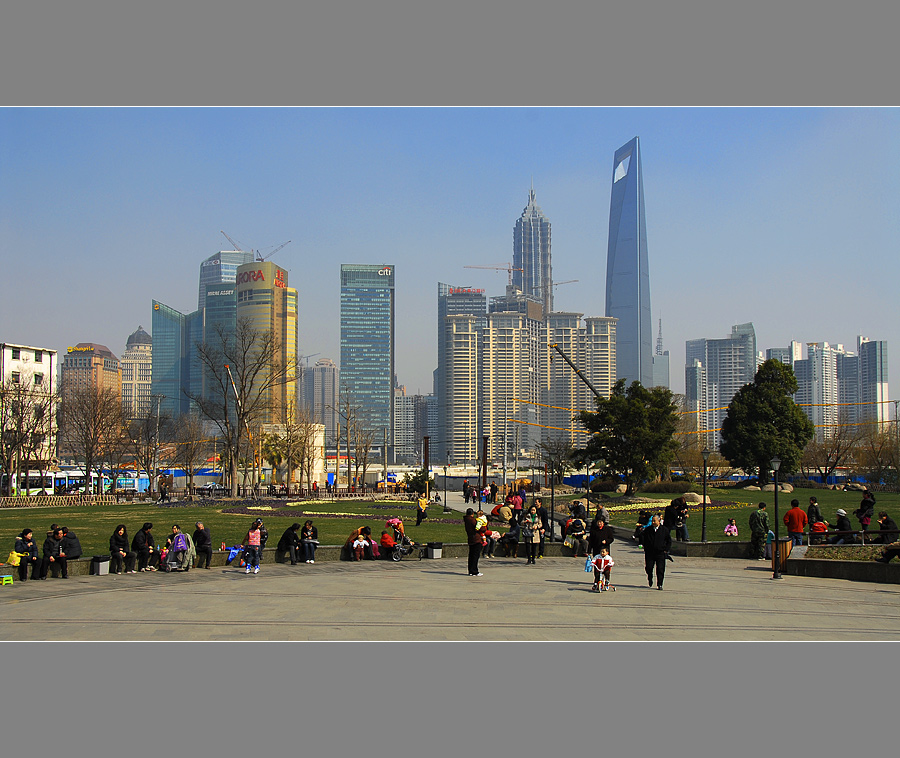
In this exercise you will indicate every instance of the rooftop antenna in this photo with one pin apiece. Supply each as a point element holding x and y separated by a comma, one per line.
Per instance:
<point>659,344</point>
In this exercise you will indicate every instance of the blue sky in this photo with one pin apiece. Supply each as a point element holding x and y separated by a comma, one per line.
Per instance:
<point>784,217</point>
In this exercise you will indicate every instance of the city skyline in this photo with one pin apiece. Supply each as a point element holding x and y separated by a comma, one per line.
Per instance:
<point>757,215</point>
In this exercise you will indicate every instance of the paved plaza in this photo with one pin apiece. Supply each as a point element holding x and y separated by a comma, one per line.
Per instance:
<point>703,599</point>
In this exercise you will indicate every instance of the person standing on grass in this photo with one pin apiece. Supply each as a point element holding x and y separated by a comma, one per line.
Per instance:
<point>473,538</point>
<point>795,520</point>
<point>656,541</point>
<point>759,529</point>
<point>421,508</point>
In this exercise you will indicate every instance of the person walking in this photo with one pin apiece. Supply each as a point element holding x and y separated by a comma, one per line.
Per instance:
<point>473,537</point>
<point>600,536</point>
<point>759,530</point>
<point>795,520</point>
<point>545,524</point>
<point>656,541</point>
<point>532,530</point>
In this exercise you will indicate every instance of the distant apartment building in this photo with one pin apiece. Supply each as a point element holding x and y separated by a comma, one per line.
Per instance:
<point>873,379</point>
<point>29,402</point>
<point>413,421</point>
<point>137,372</point>
<point>715,369</point>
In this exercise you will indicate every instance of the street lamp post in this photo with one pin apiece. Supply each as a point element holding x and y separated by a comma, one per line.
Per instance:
<point>776,553</point>
<point>705,454</point>
<point>446,507</point>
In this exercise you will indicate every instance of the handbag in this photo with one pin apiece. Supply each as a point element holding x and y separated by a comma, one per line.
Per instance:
<point>569,541</point>
<point>527,534</point>
<point>588,564</point>
<point>14,558</point>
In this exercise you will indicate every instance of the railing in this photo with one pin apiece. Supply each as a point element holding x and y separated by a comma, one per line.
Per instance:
<point>866,537</point>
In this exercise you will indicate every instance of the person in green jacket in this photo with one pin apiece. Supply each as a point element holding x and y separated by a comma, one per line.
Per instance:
<point>759,528</point>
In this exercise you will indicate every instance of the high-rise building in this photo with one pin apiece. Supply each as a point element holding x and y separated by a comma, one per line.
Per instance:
<point>818,388</point>
<point>460,404</point>
<point>367,343</point>
<point>787,355</point>
<point>591,345</point>
<point>137,373</point>
<point>269,305</point>
<point>718,368</point>
<point>873,379</point>
<point>89,364</point>
<point>220,269</point>
<point>660,362</point>
<point>452,301</point>
<point>321,386</point>
<point>627,268</point>
<point>532,270</point>
<point>176,374</point>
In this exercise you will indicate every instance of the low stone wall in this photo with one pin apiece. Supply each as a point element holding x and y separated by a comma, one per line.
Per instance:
<point>854,571</point>
<point>324,554</point>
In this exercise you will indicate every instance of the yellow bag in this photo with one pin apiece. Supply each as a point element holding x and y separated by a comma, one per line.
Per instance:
<point>14,558</point>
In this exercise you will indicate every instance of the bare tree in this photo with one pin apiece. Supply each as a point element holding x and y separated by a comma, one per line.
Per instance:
<point>26,426</point>
<point>90,416</point>
<point>191,447</point>
<point>363,439</point>
<point>350,412</point>
<point>877,454</point>
<point>142,433</point>
<point>835,451</point>
<point>115,449</point>
<point>242,371</point>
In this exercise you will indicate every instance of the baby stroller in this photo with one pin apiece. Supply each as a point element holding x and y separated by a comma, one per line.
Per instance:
<point>404,546</point>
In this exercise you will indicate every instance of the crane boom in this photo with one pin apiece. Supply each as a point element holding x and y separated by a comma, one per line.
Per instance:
<point>577,371</point>
<point>233,243</point>
<point>269,255</point>
<point>507,267</point>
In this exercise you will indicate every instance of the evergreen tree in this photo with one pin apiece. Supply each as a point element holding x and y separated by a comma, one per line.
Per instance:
<point>763,421</point>
<point>633,432</point>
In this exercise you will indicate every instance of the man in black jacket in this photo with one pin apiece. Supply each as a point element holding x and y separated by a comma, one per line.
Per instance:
<point>202,545</point>
<point>54,555</point>
<point>656,542</point>
<point>290,543</point>
<point>70,544</point>
<point>843,527</point>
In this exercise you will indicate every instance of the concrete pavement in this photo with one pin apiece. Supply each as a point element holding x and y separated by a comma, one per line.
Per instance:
<point>704,598</point>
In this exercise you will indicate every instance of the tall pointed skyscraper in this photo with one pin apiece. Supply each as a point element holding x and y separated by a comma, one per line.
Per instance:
<point>627,269</point>
<point>532,272</point>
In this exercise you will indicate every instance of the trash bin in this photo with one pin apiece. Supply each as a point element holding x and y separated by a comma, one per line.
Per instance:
<point>434,549</point>
<point>784,550</point>
<point>100,565</point>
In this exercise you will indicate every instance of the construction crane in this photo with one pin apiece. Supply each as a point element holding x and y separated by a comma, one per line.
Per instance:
<point>261,258</point>
<point>577,371</point>
<point>501,267</point>
<point>556,284</point>
<point>233,243</point>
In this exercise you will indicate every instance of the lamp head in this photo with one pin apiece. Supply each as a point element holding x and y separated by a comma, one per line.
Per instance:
<point>776,463</point>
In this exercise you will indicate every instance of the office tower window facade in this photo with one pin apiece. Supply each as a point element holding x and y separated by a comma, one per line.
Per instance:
<point>367,343</point>
<point>269,306</point>
<point>627,268</point>
<point>220,269</point>
<point>137,374</point>
<point>175,373</point>
<point>461,407</point>
<point>321,385</point>
<point>718,367</point>
<point>532,269</point>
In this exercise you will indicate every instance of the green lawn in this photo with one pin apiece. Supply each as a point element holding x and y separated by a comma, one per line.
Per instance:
<point>95,524</point>
<point>742,504</point>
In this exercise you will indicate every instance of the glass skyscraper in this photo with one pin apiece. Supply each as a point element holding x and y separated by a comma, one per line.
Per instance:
<point>218,269</point>
<point>175,372</point>
<point>532,273</point>
<point>367,343</point>
<point>627,268</point>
